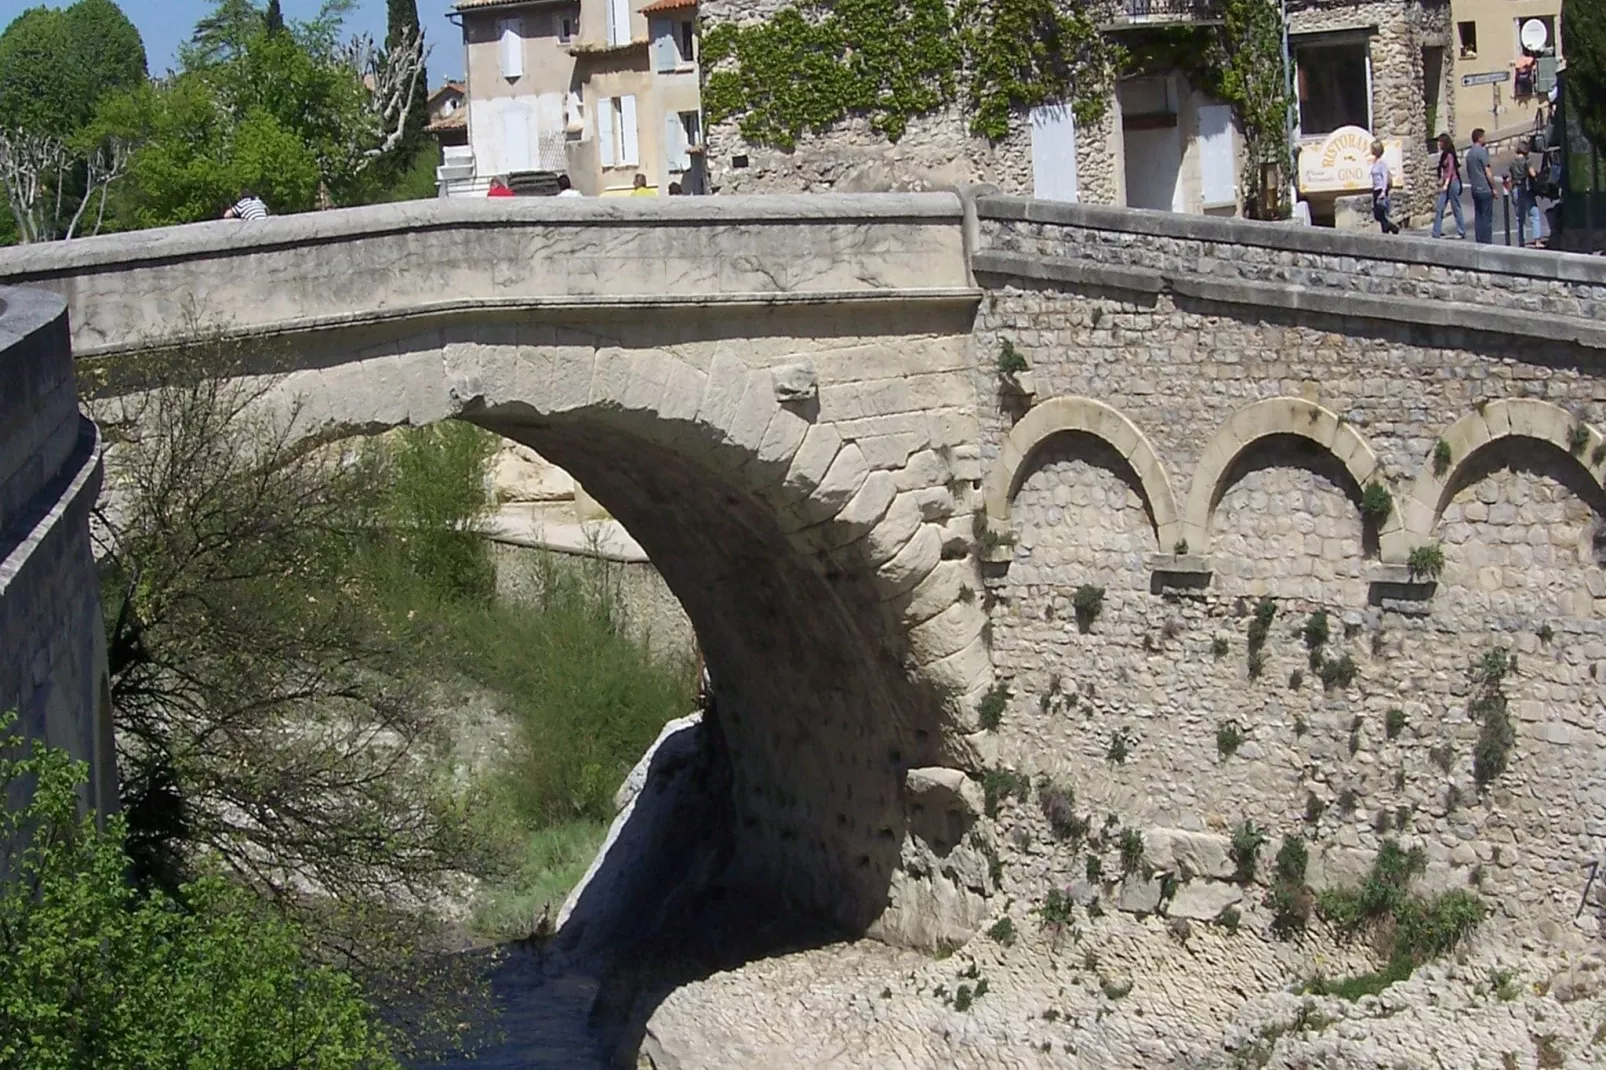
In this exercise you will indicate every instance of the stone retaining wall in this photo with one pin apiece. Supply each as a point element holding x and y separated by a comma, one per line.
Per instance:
<point>53,669</point>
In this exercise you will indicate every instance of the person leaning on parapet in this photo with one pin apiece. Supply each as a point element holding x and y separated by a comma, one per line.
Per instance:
<point>566,188</point>
<point>249,208</point>
<point>1381,180</point>
<point>1480,176</point>
<point>640,188</point>
<point>498,188</point>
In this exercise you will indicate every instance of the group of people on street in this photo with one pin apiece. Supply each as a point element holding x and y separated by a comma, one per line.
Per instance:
<point>1521,183</point>
<point>639,188</point>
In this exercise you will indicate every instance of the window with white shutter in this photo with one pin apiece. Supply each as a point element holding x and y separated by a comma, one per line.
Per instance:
<point>511,35</point>
<point>665,54</point>
<point>675,157</point>
<point>618,22</point>
<point>629,140</point>
<point>605,125</point>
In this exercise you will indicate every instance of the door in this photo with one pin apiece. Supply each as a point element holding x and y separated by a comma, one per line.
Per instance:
<point>1053,153</point>
<point>1218,182</point>
<point>515,138</point>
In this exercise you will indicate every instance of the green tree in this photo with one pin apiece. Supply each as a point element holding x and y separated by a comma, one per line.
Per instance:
<point>56,65</point>
<point>94,973</point>
<point>1583,31</point>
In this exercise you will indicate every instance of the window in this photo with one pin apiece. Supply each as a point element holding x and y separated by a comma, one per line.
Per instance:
<point>1467,34</point>
<point>686,37</point>
<point>510,33</point>
<point>618,22</point>
<point>565,28</point>
<point>1335,86</point>
<point>682,132</point>
<point>618,141</point>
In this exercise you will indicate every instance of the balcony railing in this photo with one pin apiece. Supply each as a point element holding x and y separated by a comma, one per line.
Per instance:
<point>1144,11</point>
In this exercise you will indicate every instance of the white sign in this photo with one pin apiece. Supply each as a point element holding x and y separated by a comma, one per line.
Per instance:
<point>1341,162</point>
<point>1486,78</point>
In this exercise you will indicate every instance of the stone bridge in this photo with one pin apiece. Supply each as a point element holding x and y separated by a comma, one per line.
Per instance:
<point>794,405</point>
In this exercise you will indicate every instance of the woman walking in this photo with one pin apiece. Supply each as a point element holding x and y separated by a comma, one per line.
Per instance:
<point>1449,189</point>
<point>1381,181</point>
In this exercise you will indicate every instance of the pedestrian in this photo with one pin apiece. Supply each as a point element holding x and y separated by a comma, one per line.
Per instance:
<point>1480,176</point>
<point>674,189</point>
<point>566,188</point>
<point>499,188</point>
<point>1381,181</point>
<point>1523,182</point>
<point>639,189</point>
<point>249,208</point>
<point>1449,188</point>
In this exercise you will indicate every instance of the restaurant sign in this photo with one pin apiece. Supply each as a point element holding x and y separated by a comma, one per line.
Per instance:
<point>1341,162</point>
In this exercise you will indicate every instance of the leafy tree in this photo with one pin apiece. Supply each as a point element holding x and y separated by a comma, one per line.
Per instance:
<point>95,973</point>
<point>1583,30</point>
<point>56,65</point>
<point>271,715</point>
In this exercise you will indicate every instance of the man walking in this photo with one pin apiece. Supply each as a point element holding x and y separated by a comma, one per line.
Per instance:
<point>1480,176</point>
<point>1381,181</point>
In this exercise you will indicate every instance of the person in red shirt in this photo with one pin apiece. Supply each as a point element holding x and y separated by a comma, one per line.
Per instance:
<point>498,189</point>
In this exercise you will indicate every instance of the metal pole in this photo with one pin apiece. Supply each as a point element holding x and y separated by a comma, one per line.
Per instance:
<point>1291,160</point>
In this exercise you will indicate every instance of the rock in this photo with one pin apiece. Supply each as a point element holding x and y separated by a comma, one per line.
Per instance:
<point>947,790</point>
<point>1197,854</point>
<point>1139,896</point>
<point>1574,984</point>
<point>519,474</point>
<point>637,777</point>
<point>795,382</point>
<point>1204,900</point>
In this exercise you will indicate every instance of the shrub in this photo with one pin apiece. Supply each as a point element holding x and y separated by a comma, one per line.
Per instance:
<point>1255,665</point>
<point>1180,548</point>
<point>962,998</point>
<point>1229,737</point>
<point>1010,361</point>
<point>1058,804</point>
<point>1131,851</point>
<point>1230,919</point>
<point>985,537</point>
<point>1406,929</point>
<point>1296,679</point>
<point>1056,908</point>
<point>1496,735</point>
<point>1426,561</point>
<point>1338,672</point>
<point>999,785</point>
<point>95,973</point>
<point>1247,840</point>
<point>1119,749</point>
<point>1598,454</point>
<point>1260,625</point>
<point>1577,439</point>
<point>1292,859</point>
<point>1315,631</point>
<point>1546,633</point>
<point>1441,457</point>
<point>1394,722</point>
<point>1088,602</point>
<point>1218,647</point>
<point>1095,869</point>
<point>990,710</point>
<point>1314,808</point>
<point>1003,931</point>
<point>1376,503</point>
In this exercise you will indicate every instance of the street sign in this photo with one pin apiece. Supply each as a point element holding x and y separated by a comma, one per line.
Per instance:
<point>1486,78</point>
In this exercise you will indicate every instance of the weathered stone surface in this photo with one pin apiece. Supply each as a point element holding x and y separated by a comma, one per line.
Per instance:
<point>945,789</point>
<point>1138,896</point>
<point>795,382</point>
<point>1199,854</point>
<point>1203,900</point>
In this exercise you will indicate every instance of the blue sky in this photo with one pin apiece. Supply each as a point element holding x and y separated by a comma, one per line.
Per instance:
<point>164,24</point>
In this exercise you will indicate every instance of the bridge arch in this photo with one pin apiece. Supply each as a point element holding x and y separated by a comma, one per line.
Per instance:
<point>1475,433</point>
<point>1081,414</point>
<point>1282,416</point>
<point>841,653</point>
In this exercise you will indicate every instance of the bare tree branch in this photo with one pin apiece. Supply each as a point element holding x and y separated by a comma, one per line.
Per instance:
<point>391,76</point>
<point>36,170</point>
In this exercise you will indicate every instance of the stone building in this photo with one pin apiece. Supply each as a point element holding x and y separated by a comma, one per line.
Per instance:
<point>1504,66</point>
<point>601,90</point>
<point>1163,142</point>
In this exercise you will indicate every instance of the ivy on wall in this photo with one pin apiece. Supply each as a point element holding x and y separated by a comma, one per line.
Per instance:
<point>810,66</point>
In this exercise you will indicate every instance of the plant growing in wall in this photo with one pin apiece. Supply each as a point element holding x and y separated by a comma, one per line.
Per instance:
<point>1011,365</point>
<point>1337,672</point>
<point>1496,734</point>
<point>1441,457</point>
<point>813,64</point>
<point>986,538</point>
<point>990,710</point>
<point>1291,899</point>
<point>1426,561</point>
<point>1229,737</point>
<point>1376,504</point>
<point>1131,851</point>
<point>1088,603</point>
<point>1577,439</point>
<point>1315,632</point>
<point>1119,749</point>
<point>1058,803</point>
<point>1247,839</point>
<point>1394,722</point>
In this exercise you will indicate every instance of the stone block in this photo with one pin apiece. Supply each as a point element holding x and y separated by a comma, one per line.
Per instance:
<point>1191,854</point>
<point>813,459</point>
<point>725,384</point>
<point>1204,900</point>
<point>911,564</point>
<point>947,633</point>
<point>795,382</point>
<point>1138,896</point>
<point>940,788</point>
<point>897,527</point>
<point>840,483</point>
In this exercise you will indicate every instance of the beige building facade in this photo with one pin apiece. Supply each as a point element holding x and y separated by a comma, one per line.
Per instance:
<point>599,90</point>
<point>1506,56</point>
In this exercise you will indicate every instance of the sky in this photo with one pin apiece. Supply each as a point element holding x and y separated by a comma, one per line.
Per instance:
<point>165,24</point>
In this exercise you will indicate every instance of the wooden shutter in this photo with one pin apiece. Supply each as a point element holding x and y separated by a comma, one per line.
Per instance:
<point>605,147</point>
<point>674,143</point>
<point>629,140</point>
<point>618,22</point>
<point>1218,179</point>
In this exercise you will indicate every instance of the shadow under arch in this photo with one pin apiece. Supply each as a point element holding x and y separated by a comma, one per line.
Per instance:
<point>1470,441</point>
<point>1285,417</point>
<point>1062,415</point>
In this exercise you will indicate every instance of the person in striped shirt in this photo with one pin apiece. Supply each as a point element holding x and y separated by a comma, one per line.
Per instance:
<point>249,207</point>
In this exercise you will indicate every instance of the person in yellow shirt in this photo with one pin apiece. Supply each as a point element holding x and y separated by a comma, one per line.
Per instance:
<point>641,189</point>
